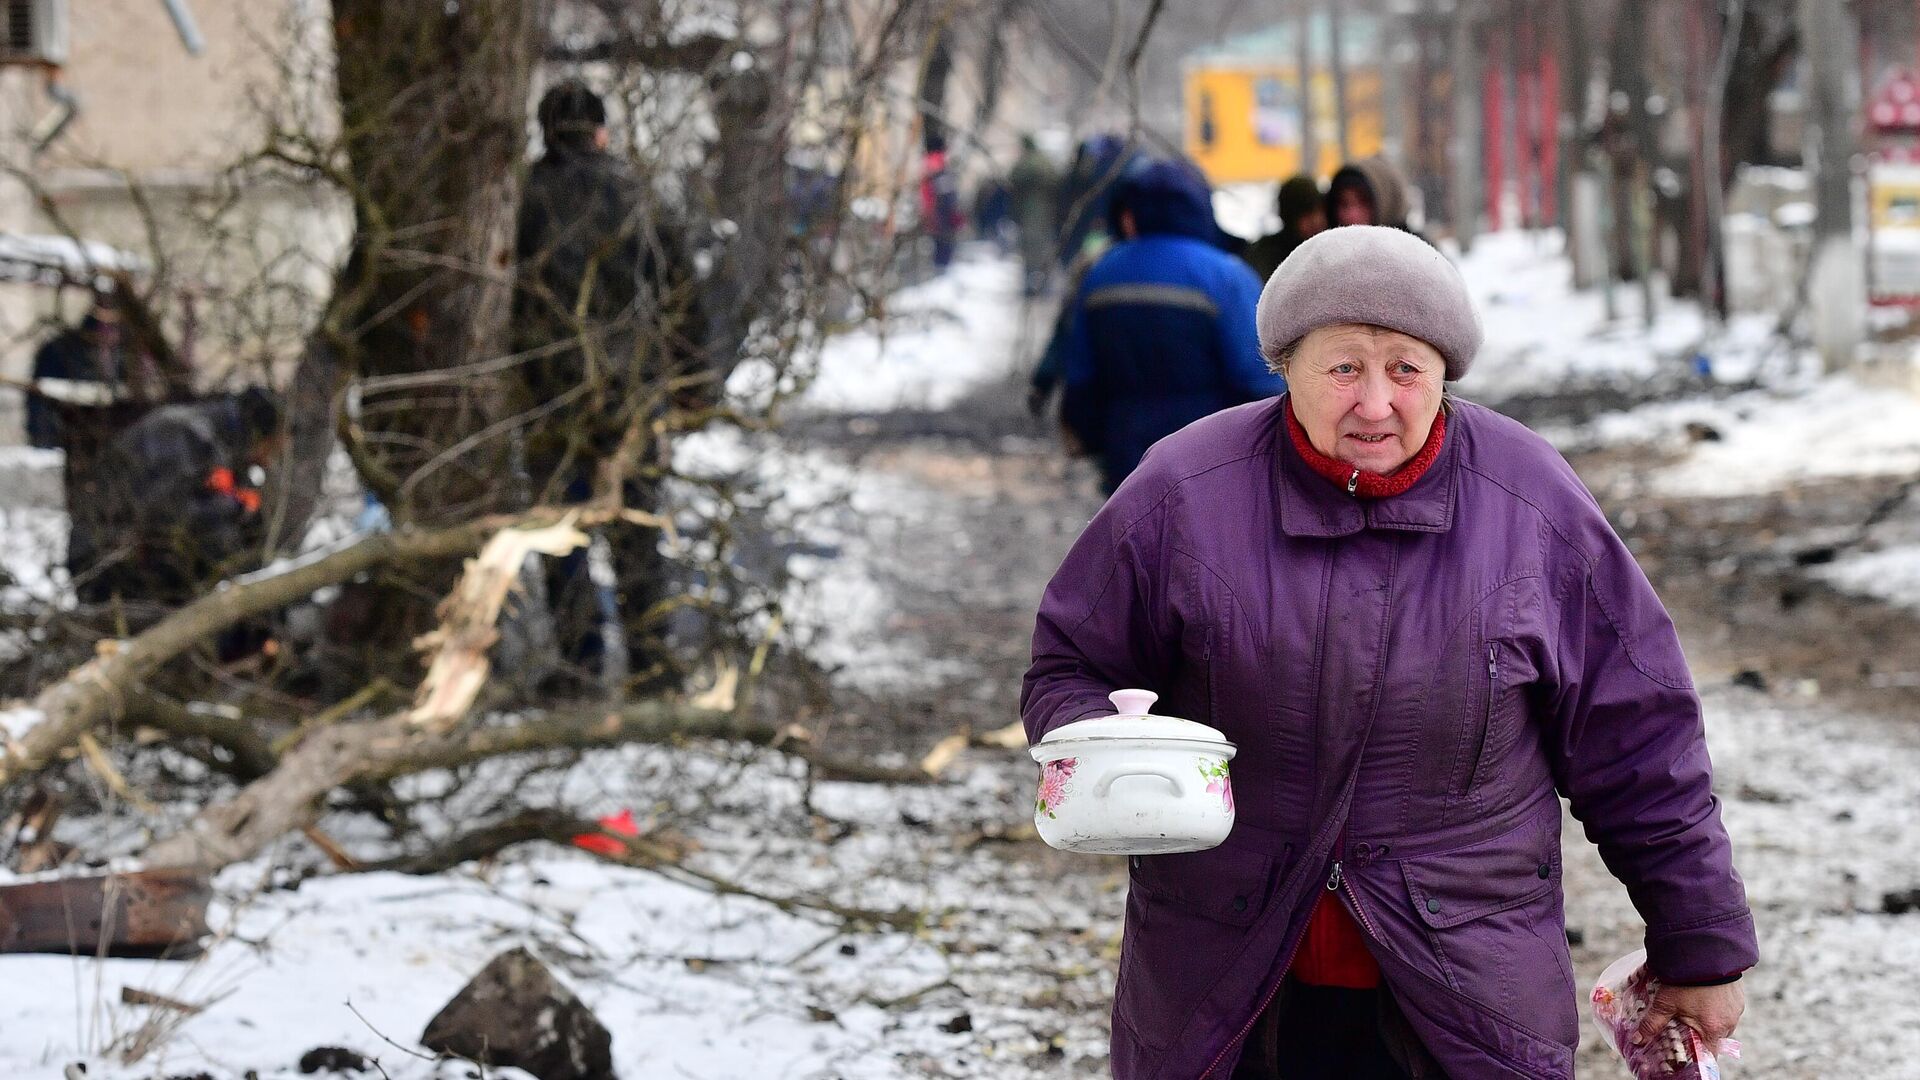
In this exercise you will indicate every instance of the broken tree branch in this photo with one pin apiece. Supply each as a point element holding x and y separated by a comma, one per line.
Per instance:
<point>394,746</point>
<point>98,690</point>
<point>249,755</point>
<point>556,826</point>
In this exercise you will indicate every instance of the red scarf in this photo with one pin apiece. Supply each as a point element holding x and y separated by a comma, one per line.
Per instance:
<point>1359,482</point>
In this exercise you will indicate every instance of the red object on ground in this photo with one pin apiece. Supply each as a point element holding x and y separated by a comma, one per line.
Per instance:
<point>1334,953</point>
<point>1360,482</point>
<point>608,842</point>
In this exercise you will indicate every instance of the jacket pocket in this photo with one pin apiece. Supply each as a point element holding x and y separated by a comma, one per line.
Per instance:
<point>1494,922</point>
<point>1226,884</point>
<point>1477,739</point>
<point>1187,920</point>
<point>1478,699</point>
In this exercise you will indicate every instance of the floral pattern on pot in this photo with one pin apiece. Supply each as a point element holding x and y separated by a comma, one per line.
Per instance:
<point>1053,784</point>
<point>1215,772</point>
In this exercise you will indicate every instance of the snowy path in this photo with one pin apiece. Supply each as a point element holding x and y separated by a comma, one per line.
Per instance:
<point>926,555</point>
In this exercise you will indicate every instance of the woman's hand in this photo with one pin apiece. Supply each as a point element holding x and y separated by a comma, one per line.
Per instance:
<point>1713,1011</point>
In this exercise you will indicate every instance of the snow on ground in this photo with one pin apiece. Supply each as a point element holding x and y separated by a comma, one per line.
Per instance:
<point>31,457</point>
<point>1891,574</point>
<point>939,340</point>
<point>15,723</point>
<point>1822,805</point>
<point>942,339</point>
<point>33,546</point>
<point>1247,210</point>
<point>1542,335</point>
<point>1823,808</point>
<point>691,984</point>
<point>840,527</point>
<point>1765,440</point>
<point>1797,426</point>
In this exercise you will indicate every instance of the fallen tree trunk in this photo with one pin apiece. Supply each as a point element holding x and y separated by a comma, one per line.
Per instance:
<point>395,746</point>
<point>98,690</point>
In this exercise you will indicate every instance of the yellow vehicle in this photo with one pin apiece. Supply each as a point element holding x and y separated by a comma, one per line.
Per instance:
<point>1243,101</point>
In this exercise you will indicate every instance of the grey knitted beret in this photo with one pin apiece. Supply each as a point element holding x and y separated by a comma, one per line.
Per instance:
<point>1371,274</point>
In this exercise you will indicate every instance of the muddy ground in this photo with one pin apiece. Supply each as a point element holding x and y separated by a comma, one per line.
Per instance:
<point>1812,697</point>
<point>1793,658</point>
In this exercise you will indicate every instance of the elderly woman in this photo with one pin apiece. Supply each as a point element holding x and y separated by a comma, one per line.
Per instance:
<point>1420,631</point>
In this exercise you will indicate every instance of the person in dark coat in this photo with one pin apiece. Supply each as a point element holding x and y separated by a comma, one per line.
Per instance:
<point>169,506</point>
<point>604,318</point>
<point>1421,634</point>
<point>1368,192</point>
<point>1161,330</point>
<point>93,352</point>
<point>1053,358</point>
<point>940,216</point>
<point>1035,188</point>
<point>1087,191</point>
<point>1303,212</point>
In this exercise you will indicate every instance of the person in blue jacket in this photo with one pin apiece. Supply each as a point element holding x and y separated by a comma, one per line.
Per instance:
<point>1162,329</point>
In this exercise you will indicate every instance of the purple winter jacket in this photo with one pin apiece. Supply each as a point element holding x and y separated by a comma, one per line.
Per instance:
<point>1410,681</point>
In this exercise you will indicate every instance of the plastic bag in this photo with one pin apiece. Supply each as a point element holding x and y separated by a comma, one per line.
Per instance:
<point>1621,998</point>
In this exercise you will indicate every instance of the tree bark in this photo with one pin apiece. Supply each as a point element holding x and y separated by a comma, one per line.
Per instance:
<point>1303,68</point>
<point>1337,64</point>
<point>290,796</point>
<point>433,102</point>
<point>1768,40</point>
<point>1837,285</point>
<point>1466,150</point>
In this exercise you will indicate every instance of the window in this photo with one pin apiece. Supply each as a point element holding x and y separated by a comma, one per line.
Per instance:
<point>36,32</point>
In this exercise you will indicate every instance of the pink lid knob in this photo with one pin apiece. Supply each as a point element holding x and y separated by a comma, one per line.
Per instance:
<point>1131,702</point>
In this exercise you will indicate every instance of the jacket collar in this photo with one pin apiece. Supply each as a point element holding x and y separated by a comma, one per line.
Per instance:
<point>1310,506</point>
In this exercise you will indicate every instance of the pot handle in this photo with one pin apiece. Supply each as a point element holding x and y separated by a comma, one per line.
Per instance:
<point>1132,702</point>
<point>1140,768</point>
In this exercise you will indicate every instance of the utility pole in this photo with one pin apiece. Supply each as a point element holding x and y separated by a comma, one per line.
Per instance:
<point>1836,287</point>
<point>1393,99</point>
<point>1633,156</point>
<point>1466,124</point>
<point>1337,64</point>
<point>1575,68</point>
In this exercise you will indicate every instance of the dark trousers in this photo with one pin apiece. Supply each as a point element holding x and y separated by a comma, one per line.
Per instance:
<point>1332,1033</point>
<point>640,579</point>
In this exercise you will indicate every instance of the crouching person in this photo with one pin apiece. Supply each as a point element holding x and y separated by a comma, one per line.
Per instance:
<point>170,506</point>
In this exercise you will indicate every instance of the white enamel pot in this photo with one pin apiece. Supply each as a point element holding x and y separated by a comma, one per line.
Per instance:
<point>1133,783</point>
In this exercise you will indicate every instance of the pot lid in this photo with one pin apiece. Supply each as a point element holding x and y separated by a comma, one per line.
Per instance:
<point>1131,720</point>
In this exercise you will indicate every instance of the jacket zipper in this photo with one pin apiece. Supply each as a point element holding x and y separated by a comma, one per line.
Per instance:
<point>1255,1018</point>
<point>1333,883</point>
<point>1334,880</point>
<point>1486,721</point>
<point>1338,883</point>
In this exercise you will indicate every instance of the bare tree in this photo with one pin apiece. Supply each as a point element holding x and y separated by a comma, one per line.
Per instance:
<point>411,365</point>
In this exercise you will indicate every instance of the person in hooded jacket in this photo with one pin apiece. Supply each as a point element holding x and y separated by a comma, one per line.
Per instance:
<point>169,505</point>
<point>1368,192</point>
<point>94,352</point>
<point>1086,193</point>
<point>1303,212</point>
<point>1420,632</point>
<point>1161,331</point>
